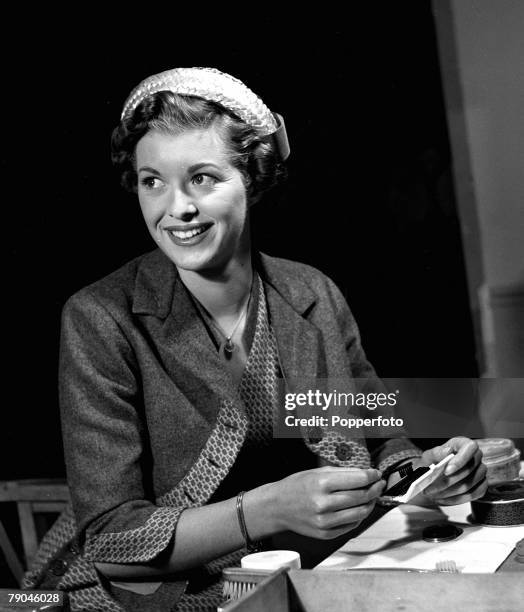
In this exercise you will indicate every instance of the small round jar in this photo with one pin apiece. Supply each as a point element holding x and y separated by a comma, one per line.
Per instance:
<point>501,459</point>
<point>271,560</point>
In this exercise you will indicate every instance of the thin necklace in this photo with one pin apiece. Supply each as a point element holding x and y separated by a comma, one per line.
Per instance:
<point>229,347</point>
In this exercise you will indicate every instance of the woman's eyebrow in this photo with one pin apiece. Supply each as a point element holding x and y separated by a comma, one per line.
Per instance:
<point>200,165</point>
<point>149,169</point>
<point>190,170</point>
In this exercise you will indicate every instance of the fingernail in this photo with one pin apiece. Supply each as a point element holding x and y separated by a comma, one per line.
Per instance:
<point>449,469</point>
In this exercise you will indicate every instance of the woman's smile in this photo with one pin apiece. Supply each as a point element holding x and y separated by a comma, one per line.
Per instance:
<point>188,235</point>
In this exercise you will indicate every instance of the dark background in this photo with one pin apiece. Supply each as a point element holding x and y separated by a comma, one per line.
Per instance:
<point>369,199</point>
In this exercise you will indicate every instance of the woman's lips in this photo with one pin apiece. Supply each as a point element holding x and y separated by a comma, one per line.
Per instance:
<point>187,235</point>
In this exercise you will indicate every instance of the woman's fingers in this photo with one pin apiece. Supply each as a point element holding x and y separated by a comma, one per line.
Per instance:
<point>346,516</point>
<point>465,476</point>
<point>306,501</point>
<point>340,511</point>
<point>463,487</point>
<point>332,524</point>
<point>464,449</point>
<point>478,489</point>
<point>343,479</point>
<point>446,482</point>
<point>340,500</point>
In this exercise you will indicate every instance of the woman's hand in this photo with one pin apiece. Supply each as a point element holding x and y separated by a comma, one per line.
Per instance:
<point>465,476</point>
<point>325,502</point>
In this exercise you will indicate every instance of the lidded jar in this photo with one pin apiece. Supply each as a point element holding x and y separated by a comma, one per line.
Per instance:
<point>501,459</point>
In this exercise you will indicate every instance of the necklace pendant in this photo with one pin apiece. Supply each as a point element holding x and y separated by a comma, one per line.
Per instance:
<point>229,347</point>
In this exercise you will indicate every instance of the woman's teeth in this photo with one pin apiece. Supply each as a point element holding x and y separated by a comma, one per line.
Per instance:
<point>184,235</point>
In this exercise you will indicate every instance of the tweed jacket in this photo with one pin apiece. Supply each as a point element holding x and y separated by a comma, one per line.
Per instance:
<point>152,421</point>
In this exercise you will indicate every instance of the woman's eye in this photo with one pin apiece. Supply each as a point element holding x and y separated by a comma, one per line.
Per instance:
<point>205,180</point>
<point>151,182</point>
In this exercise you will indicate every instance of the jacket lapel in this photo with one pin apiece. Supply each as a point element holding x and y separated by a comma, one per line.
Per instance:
<point>182,340</point>
<point>299,342</point>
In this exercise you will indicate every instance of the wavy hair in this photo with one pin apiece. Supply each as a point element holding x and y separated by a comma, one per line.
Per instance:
<point>253,155</point>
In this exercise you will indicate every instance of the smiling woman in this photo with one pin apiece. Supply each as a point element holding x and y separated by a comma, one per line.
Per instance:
<point>170,370</point>
<point>192,196</point>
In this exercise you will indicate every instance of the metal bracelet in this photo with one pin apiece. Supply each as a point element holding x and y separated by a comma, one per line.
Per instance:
<point>250,545</point>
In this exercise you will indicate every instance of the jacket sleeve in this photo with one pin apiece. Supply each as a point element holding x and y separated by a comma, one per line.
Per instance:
<point>105,439</point>
<point>385,451</point>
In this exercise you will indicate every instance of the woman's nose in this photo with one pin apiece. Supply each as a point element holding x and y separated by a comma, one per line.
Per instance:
<point>181,205</point>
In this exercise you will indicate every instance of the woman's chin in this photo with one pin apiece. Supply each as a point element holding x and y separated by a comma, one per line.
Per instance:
<point>192,262</point>
<point>200,259</point>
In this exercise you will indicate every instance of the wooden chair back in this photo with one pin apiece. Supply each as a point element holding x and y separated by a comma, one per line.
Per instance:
<point>33,498</point>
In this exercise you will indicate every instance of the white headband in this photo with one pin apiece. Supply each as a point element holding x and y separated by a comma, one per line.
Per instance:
<point>211,84</point>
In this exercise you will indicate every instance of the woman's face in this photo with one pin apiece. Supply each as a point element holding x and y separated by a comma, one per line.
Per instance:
<point>193,200</point>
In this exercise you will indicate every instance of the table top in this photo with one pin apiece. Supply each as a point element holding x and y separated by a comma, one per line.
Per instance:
<point>395,541</point>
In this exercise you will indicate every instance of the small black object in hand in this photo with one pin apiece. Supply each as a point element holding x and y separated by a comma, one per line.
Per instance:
<point>403,485</point>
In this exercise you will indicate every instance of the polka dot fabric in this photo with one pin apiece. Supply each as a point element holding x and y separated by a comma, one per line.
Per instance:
<point>258,388</point>
<point>84,588</point>
<point>356,455</point>
<point>135,545</point>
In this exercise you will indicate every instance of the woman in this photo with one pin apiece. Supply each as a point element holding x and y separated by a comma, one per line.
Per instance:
<point>169,370</point>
